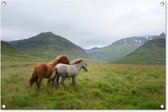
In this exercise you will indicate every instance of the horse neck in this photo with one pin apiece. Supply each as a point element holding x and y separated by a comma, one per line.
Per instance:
<point>53,64</point>
<point>78,66</point>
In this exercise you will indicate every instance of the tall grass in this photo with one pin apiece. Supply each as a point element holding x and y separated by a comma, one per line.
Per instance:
<point>104,86</point>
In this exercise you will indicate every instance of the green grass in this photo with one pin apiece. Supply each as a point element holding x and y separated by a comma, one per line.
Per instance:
<point>104,86</point>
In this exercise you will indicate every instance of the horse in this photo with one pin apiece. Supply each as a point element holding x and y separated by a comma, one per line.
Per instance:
<point>67,71</point>
<point>41,71</point>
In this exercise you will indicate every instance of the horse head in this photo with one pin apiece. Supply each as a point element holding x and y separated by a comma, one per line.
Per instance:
<point>84,65</point>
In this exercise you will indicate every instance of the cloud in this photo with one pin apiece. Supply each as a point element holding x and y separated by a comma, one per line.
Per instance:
<point>87,23</point>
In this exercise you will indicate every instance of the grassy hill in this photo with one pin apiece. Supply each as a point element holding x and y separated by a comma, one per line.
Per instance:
<point>117,50</point>
<point>112,53</point>
<point>8,53</point>
<point>120,48</point>
<point>49,45</point>
<point>152,52</point>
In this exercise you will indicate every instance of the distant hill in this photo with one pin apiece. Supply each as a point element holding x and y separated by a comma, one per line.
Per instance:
<point>120,48</point>
<point>152,52</point>
<point>49,45</point>
<point>8,53</point>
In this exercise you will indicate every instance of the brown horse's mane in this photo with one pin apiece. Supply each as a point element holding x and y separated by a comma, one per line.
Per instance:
<point>58,58</point>
<point>76,61</point>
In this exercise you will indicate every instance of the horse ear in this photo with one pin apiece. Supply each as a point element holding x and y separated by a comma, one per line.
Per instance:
<point>64,56</point>
<point>81,60</point>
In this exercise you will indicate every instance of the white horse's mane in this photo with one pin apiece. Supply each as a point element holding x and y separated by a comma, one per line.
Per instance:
<point>76,61</point>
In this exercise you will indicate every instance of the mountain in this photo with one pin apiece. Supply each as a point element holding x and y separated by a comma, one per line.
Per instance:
<point>8,53</point>
<point>49,45</point>
<point>152,52</point>
<point>120,48</point>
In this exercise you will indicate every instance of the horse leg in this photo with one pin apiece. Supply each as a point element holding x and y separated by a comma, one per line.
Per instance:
<point>36,80</point>
<point>73,81</point>
<point>53,83</point>
<point>52,77</point>
<point>57,77</point>
<point>50,82</point>
<point>62,81</point>
<point>39,82</point>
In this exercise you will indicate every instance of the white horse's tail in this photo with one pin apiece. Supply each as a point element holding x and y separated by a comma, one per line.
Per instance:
<point>53,74</point>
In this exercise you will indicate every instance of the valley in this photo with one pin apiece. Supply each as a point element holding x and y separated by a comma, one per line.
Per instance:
<point>137,81</point>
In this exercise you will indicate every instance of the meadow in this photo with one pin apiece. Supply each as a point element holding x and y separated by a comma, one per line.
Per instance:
<point>104,86</point>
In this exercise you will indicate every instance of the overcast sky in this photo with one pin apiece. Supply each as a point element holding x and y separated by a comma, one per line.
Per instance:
<point>87,23</point>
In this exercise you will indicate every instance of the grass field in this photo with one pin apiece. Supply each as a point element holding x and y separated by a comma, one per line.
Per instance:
<point>104,86</point>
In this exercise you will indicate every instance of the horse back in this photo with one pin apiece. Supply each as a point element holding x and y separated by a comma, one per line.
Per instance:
<point>61,67</point>
<point>65,70</point>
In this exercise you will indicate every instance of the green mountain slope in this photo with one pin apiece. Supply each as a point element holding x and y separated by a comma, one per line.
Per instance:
<point>8,53</point>
<point>120,48</point>
<point>49,45</point>
<point>152,52</point>
<point>117,50</point>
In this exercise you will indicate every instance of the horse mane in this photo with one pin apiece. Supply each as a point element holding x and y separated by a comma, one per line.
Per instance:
<point>58,58</point>
<point>76,61</point>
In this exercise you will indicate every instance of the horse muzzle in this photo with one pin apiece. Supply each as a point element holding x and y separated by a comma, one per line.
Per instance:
<point>86,69</point>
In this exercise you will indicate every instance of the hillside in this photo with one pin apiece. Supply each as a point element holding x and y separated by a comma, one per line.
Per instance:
<point>120,48</point>
<point>8,53</point>
<point>49,45</point>
<point>152,52</point>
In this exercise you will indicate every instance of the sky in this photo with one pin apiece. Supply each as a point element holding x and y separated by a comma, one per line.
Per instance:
<point>87,23</point>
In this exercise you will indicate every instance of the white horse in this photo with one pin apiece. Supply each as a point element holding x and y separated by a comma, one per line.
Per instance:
<point>67,71</point>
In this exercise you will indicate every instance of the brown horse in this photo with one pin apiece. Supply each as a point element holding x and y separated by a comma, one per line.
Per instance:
<point>41,71</point>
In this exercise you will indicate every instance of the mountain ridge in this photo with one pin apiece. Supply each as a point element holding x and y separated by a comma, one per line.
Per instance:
<point>49,44</point>
<point>152,52</point>
<point>120,48</point>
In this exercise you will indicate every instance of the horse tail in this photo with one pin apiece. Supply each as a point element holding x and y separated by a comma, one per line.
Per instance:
<point>53,74</point>
<point>33,77</point>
